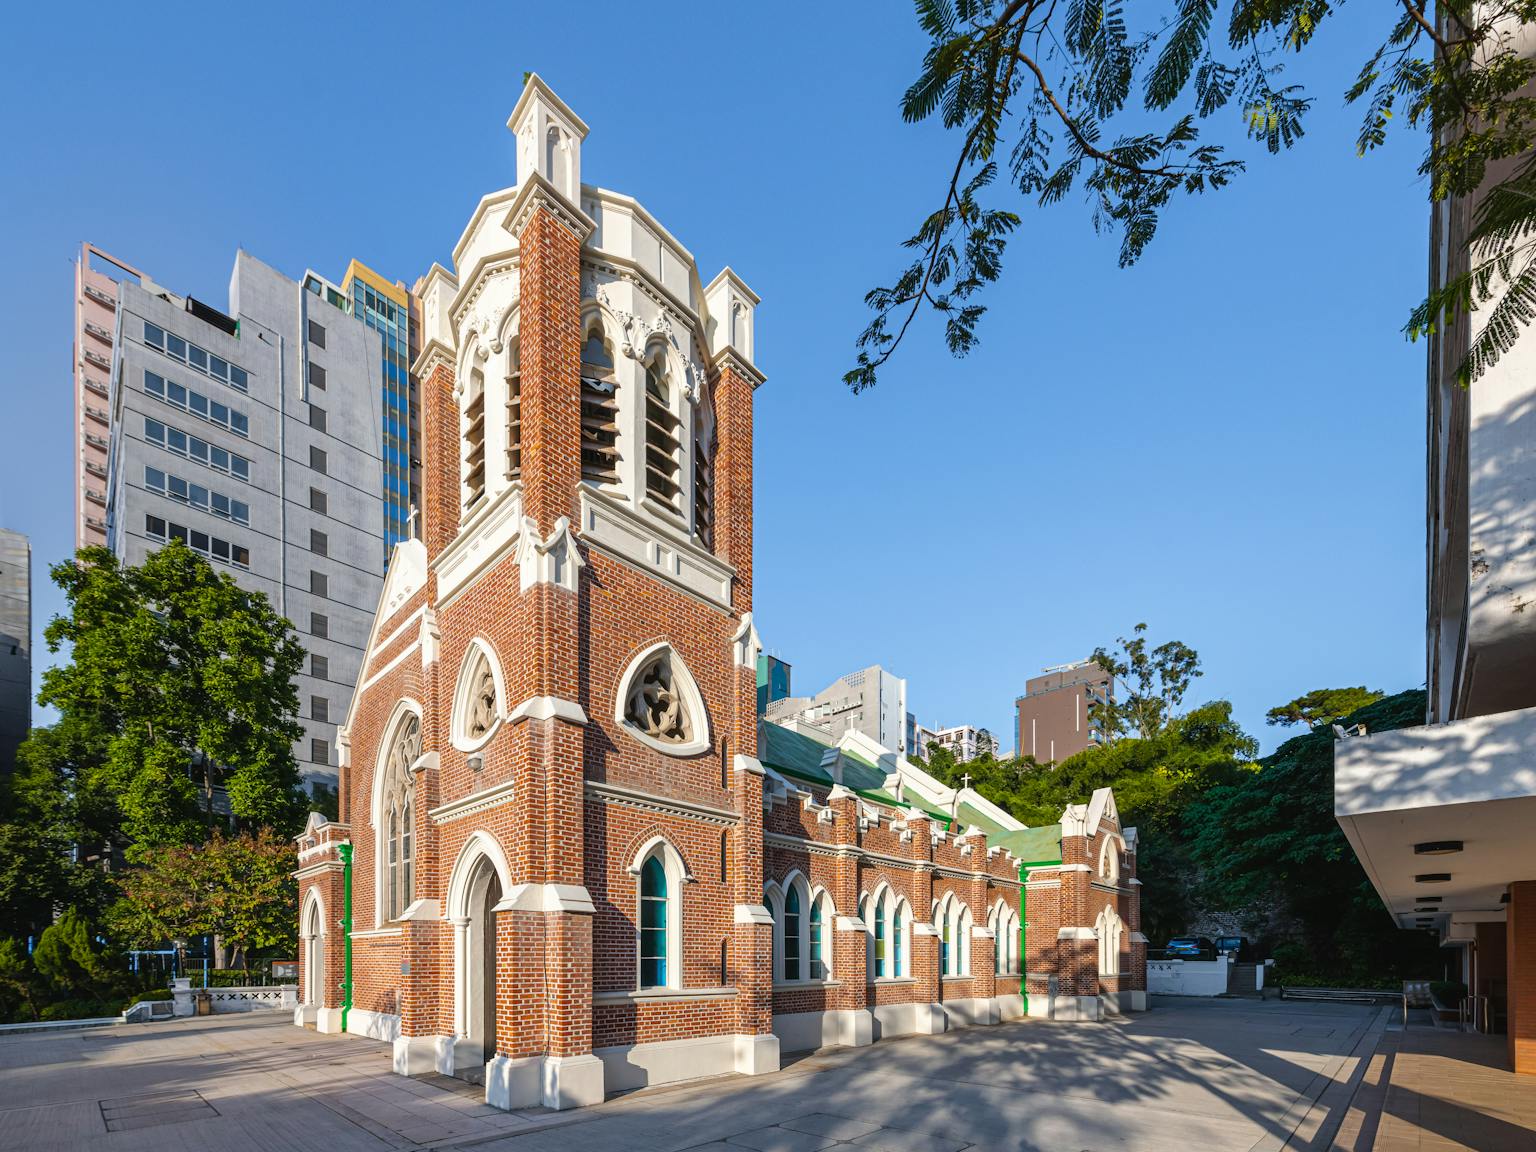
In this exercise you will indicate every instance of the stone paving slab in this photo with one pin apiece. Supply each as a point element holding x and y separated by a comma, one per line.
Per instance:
<point>1211,1075</point>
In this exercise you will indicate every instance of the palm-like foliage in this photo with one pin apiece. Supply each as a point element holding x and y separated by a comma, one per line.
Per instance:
<point>1046,80</point>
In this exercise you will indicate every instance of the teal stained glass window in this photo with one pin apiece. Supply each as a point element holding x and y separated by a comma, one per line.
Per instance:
<point>653,924</point>
<point>792,934</point>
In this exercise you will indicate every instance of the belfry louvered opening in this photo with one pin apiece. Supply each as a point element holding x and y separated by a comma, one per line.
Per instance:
<point>474,439</point>
<point>599,409</point>
<point>514,411</point>
<point>663,437</point>
<point>704,471</point>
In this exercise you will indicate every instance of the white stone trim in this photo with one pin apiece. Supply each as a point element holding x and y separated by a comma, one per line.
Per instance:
<point>1076,934</point>
<point>1073,868</point>
<point>371,933</point>
<point>748,764</point>
<point>474,802</point>
<point>746,645</point>
<point>663,805</point>
<point>375,1025</point>
<point>662,995</point>
<point>548,708</point>
<point>752,914</point>
<point>851,924</point>
<point>554,560</point>
<point>1139,938</point>
<point>424,909</point>
<point>489,535</point>
<point>547,898</point>
<point>644,543</point>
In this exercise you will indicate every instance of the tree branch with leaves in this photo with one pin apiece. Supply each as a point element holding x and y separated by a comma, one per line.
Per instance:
<point>1046,81</point>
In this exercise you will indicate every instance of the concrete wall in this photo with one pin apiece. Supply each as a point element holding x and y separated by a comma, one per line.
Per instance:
<point>1188,977</point>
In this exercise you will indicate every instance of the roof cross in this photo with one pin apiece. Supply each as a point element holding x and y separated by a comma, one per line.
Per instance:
<point>965,781</point>
<point>410,524</point>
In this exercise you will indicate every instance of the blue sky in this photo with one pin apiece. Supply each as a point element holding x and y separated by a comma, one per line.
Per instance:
<point>1226,441</point>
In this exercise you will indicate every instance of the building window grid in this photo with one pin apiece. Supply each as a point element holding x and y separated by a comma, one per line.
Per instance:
<point>199,359</point>
<point>190,400</point>
<point>195,448</point>
<point>235,555</point>
<point>175,487</point>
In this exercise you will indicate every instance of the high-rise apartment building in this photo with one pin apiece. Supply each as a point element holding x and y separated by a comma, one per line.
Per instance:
<point>1053,717</point>
<point>773,677</point>
<point>15,644</point>
<point>871,701</point>
<point>965,742</point>
<point>394,313</point>
<point>97,277</point>
<point>253,437</point>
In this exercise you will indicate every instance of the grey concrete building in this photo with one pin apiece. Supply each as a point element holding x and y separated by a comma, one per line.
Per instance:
<point>254,437</point>
<point>15,644</point>
<point>871,701</point>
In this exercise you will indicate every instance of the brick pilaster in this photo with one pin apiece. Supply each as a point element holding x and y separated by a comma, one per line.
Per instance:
<point>440,487</point>
<point>751,952</point>
<point>733,480</point>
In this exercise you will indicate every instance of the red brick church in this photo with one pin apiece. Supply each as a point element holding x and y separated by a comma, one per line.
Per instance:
<point>570,859</point>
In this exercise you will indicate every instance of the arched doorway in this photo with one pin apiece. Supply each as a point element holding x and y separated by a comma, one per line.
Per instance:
<point>314,957</point>
<point>484,893</point>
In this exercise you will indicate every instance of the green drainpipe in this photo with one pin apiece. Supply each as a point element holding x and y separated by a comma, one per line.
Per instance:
<point>1024,926</point>
<point>346,931</point>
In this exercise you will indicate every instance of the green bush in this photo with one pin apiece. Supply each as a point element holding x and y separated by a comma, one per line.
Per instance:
<point>79,1009</point>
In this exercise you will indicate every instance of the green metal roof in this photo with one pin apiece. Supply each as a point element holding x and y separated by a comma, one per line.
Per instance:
<point>1040,845</point>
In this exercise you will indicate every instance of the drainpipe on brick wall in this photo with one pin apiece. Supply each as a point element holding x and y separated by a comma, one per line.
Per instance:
<point>346,931</point>
<point>1023,927</point>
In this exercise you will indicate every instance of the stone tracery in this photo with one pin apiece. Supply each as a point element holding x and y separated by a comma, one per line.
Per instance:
<point>655,705</point>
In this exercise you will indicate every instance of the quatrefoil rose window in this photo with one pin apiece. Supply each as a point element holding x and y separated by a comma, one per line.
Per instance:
<point>659,703</point>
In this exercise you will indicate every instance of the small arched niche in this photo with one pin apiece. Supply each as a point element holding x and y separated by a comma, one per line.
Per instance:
<point>659,703</point>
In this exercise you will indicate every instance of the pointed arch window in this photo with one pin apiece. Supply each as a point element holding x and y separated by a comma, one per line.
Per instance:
<point>794,929</point>
<point>881,944</point>
<point>653,924</point>
<point>818,967</point>
<point>599,407</point>
<point>952,920</point>
<point>898,959</point>
<point>663,436</point>
<point>399,809</point>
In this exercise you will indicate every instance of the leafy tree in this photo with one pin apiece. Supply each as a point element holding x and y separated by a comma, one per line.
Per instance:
<point>1156,780</point>
<point>186,681</point>
<point>1270,838</point>
<point>1152,684</point>
<point>72,962</point>
<point>237,888</point>
<point>1081,95</point>
<point>1322,706</point>
<point>18,981</point>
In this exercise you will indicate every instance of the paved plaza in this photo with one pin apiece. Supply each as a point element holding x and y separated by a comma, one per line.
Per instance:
<point>1209,1075</point>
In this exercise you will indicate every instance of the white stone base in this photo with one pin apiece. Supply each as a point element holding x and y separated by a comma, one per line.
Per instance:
<point>443,1054</point>
<point>806,1031</point>
<point>1011,1007</point>
<point>970,1012</point>
<point>571,1081</point>
<point>908,1020</point>
<point>464,1056</point>
<point>627,1066</point>
<point>1040,1006</point>
<point>1076,1008</point>
<point>415,1055</point>
<point>756,1055</point>
<point>513,1083</point>
<point>328,1020</point>
<point>374,1025</point>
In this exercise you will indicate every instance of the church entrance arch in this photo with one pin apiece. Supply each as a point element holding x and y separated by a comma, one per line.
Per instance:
<point>475,891</point>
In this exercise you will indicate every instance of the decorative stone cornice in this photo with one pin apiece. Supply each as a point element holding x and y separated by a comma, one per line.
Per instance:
<point>537,192</point>
<point>660,805</point>
<point>732,360</point>
<point>548,708</point>
<point>474,802</point>
<point>434,355</point>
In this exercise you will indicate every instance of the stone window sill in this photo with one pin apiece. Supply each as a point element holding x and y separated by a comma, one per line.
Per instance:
<point>882,980</point>
<point>662,995</point>
<point>957,979</point>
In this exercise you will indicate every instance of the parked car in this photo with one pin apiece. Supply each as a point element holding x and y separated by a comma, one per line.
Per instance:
<point>1236,947</point>
<point>1190,948</point>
